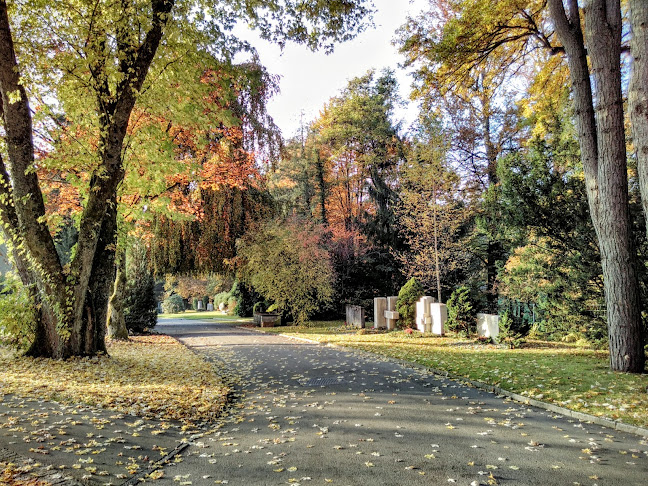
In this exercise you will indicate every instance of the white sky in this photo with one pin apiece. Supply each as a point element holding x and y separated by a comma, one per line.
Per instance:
<point>309,80</point>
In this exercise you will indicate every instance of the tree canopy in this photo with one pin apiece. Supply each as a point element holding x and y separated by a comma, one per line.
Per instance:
<point>90,71</point>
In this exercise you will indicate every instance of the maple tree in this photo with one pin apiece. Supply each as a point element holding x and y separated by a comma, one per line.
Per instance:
<point>109,57</point>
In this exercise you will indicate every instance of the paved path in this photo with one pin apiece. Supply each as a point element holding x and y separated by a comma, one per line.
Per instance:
<point>310,414</point>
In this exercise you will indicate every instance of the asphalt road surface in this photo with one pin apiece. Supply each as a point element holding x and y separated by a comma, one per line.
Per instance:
<point>313,415</point>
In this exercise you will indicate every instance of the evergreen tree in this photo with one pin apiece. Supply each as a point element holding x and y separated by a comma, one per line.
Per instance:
<point>408,296</point>
<point>140,304</point>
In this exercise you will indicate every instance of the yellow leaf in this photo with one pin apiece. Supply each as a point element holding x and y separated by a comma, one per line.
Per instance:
<point>157,474</point>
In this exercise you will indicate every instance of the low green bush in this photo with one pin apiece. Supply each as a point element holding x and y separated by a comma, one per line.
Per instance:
<point>16,314</point>
<point>221,298</point>
<point>173,304</point>
<point>508,336</point>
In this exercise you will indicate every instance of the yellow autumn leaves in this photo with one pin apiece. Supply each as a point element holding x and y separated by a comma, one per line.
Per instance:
<point>151,376</point>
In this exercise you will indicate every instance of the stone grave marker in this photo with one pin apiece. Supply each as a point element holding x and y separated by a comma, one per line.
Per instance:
<point>380,306</point>
<point>431,316</point>
<point>487,325</point>
<point>391,315</point>
<point>355,316</point>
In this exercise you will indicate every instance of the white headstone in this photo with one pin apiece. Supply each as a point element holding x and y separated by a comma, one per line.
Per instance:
<point>200,305</point>
<point>424,314</point>
<point>439,317</point>
<point>488,325</point>
<point>210,307</point>
<point>391,315</point>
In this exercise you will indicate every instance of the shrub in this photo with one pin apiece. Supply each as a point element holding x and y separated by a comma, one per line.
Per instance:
<point>460,316</point>
<point>140,305</point>
<point>259,307</point>
<point>16,315</point>
<point>221,298</point>
<point>173,304</point>
<point>231,303</point>
<point>408,296</point>
<point>507,334</point>
<point>245,299</point>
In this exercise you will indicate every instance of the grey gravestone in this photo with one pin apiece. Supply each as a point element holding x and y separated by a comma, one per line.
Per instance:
<point>355,316</point>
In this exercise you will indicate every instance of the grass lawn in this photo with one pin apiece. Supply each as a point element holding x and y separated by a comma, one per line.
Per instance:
<point>207,315</point>
<point>568,375</point>
<point>151,376</point>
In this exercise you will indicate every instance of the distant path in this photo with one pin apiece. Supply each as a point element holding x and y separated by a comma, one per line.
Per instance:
<point>310,414</point>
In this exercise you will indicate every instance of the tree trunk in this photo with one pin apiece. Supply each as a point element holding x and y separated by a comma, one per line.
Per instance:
<point>319,166</point>
<point>494,249</point>
<point>638,93</point>
<point>103,275</point>
<point>116,323</point>
<point>602,142</point>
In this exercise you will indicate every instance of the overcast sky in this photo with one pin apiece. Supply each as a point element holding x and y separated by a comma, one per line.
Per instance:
<point>309,80</point>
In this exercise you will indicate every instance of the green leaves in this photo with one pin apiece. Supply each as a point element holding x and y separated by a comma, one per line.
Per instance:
<point>287,263</point>
<point>409,294</point>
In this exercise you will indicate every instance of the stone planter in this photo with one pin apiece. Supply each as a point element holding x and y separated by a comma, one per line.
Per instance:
<point>267,319</point>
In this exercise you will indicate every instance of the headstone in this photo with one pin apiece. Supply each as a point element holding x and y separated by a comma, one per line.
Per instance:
<point>424,314</point>
<point>267,319</point>
<point>488,325</point>
<point>210,307</point>
<point>355,316</point>
<point>200,305</point>
<point>391,315</point>
<point>221,306</point>
<point>439,317</point>
<point>380,306</point>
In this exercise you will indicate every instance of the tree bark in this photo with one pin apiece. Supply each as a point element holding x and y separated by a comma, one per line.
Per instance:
<point>602,142</point>
<point>116,322</point>
<point>638,93</point>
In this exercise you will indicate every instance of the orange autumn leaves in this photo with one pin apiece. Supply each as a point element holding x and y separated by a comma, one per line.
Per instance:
<point>184,158</point>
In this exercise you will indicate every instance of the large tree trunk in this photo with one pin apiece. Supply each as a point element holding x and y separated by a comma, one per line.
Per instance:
<point>601,136</point>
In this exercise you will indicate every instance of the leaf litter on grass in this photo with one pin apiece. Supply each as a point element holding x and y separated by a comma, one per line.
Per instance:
<point>89,415</point>
<point>150,376</point>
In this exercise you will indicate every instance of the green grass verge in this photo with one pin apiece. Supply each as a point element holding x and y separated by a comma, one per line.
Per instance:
<point>568,375</point>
